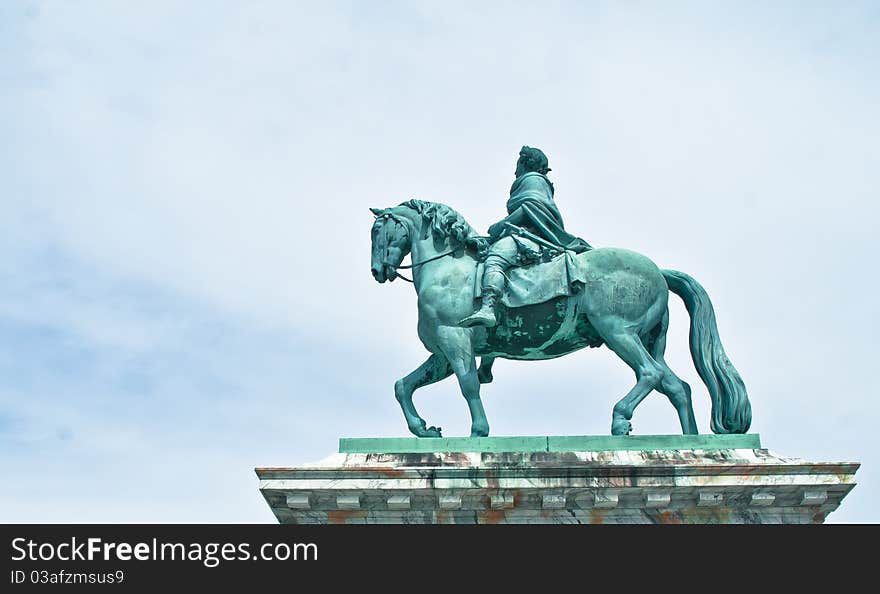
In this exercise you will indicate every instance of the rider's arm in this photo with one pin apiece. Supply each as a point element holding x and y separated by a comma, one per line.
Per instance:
<point>517,217</point>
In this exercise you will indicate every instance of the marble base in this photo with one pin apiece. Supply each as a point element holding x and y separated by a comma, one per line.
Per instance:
<point>667,482</point>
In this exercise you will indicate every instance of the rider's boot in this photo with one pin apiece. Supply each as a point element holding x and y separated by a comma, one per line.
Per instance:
<point>493,284</point>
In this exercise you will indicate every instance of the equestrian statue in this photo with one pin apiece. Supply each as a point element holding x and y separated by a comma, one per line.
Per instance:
<point>530,291</point>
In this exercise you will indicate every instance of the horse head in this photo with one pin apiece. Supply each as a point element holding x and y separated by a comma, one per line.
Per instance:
<point>391,243</point>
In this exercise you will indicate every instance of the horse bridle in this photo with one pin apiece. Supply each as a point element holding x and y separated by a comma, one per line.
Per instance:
<point>388,215</point>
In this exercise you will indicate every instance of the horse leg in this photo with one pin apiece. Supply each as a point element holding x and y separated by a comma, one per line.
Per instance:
<point>484,373</point>
<point>433,370</point>
<point>649,373</point>
<point>456,343</point>
<point>676,389</point>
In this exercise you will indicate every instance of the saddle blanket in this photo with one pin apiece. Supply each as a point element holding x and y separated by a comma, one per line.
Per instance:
<point>537,283</point>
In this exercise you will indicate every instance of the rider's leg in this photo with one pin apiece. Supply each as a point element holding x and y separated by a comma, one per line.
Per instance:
<point>502,255</point>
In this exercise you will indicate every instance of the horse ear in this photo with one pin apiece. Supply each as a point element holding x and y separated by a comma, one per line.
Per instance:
<point>377,212</point>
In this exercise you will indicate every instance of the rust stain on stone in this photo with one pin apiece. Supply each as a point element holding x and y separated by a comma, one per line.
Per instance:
<point>493,516</point>
<point>519,498</point>
<point>386,471</point>
<point>721,515</point>
<point>341,516</point>
<point>669,517</point>
<point>458,459</point>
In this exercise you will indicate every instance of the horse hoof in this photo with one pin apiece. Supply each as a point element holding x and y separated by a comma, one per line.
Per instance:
<point>480,432</point>
<point>422,431</point>
<point>621,427</point>
<point>433,432</point>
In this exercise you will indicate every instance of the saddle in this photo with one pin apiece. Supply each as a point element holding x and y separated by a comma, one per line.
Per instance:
<point>564,274</point>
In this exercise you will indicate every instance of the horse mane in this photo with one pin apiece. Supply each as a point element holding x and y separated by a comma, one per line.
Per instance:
<point>445,222</point>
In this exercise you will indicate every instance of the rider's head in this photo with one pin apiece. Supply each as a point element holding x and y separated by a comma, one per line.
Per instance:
<point>531,159</point>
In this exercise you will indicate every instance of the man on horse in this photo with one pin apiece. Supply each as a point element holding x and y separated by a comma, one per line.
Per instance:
<point>530,208</point>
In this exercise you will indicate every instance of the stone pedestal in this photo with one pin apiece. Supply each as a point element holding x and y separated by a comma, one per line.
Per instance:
<point>726,479</point>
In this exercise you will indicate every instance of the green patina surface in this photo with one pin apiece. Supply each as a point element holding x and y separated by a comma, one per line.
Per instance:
<point>563,296</point>
<point>563,443</point>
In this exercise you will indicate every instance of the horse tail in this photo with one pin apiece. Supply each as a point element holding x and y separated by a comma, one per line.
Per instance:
<point>731,411</point>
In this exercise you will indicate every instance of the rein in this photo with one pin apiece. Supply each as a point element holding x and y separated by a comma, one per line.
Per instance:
<point>423,262</point>
<point>414,266</point>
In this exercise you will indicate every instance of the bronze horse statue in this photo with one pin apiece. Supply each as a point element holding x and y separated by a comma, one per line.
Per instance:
<point>623,304</point>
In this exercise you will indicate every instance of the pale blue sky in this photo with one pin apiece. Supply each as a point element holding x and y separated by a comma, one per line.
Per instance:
<point>184,233</point>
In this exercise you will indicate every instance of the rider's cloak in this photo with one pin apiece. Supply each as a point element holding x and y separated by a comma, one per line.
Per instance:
<point>531,205</point>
